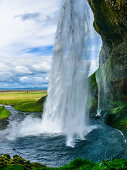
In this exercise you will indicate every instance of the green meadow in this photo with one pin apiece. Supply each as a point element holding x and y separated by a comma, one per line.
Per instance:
<point>31,101</point>
<point>4,113</point>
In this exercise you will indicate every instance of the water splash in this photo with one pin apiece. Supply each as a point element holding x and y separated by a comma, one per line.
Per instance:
<point>65,109</point>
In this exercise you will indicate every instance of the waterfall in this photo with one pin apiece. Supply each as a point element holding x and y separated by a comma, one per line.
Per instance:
<point>104,93</point>
<point>65,110</point>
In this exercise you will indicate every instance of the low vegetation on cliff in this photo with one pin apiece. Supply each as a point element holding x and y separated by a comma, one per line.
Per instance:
<point>110,21</point>
<point>18,163</point>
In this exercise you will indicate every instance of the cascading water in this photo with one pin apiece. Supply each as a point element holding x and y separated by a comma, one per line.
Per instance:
<point>103,91</point>
<point>65,109</point>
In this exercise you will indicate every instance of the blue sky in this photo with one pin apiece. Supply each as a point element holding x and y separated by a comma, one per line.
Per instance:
<point>27,34</point>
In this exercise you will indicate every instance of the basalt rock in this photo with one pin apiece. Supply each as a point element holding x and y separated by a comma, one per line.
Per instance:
<point>110,21</point>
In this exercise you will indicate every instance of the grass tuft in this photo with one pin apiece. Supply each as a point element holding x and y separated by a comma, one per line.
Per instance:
<point>4,114</point>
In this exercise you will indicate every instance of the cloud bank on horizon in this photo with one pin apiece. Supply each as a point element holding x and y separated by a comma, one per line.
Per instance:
<point>27,34</point>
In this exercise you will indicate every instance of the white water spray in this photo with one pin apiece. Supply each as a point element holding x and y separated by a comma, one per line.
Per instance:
<point>65,109</point>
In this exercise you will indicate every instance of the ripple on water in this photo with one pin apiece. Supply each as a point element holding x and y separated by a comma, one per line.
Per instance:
<point>102,143</point>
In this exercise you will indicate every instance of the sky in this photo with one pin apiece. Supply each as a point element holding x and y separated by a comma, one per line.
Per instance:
<point>27,34</point>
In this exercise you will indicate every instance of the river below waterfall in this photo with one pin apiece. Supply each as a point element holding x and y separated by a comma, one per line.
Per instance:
<point>103,142</point>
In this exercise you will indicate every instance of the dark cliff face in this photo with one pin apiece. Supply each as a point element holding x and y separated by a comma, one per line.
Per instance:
<point>110,21</point>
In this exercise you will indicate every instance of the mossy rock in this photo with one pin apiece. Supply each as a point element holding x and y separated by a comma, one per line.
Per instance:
<point>110,21</point>
<point>117,117</point>
<point>7,156</point>
<point>17,163</point>
<point>92,102</point>
<point>78,164</point>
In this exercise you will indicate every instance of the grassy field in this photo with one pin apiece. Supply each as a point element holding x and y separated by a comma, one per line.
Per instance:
<point>31,101</point>
<point>4,114</point>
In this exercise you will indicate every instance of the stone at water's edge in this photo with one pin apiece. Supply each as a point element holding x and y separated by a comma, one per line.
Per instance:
<point>3,123</point>
<point>111,23</point>
<point>4,115</point>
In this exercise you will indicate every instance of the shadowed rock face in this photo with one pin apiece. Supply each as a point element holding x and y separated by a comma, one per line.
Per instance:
<point>111,23</point>
<point>110,19</point>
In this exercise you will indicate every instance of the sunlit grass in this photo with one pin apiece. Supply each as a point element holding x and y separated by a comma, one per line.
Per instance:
<point>23,101</point>
<point>4,113</point>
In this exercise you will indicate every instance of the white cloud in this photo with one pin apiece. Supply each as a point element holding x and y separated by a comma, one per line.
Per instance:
<point>35,80</point>
<point>47,78</point>
<point>29,16</point>
<point>25,65</point>
<point>25,24</point>
<point>16,34</point>
<point>23,79</point>
<point>22,70</point>
<point>4,76</point>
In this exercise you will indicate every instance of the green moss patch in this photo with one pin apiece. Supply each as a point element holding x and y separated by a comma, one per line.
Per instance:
<point>123,124</point>
<point>80,164</point>
<point>4,114</point>
<point>117,117</point>
<point>18,163</point>
<point>93,94</point>
<point>110,21</point>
